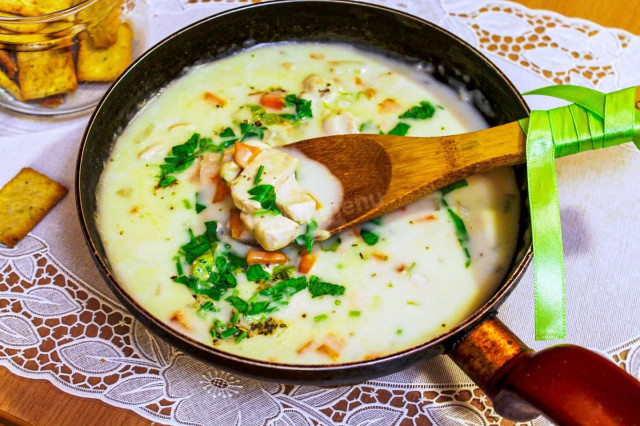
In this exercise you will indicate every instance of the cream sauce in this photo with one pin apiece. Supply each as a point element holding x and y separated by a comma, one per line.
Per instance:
<point>408,288</point>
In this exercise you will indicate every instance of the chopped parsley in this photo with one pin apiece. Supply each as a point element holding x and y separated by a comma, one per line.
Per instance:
<point>302,108</point>
<point>199,207</point>
<point>258,175</point>
<point>306,240</point>
<point>452,187</point>
<point>371,238</point>
<point>462,234</point>
<point>401,129</point>
<point>208,306</point>
<point>182,156</point>
<point>240,305</point>
<point>228,138</point>
<point>318,288</point>
<point>256,273</point>
<point>420,112</point>
<point>285,288</point>
<point>199,245</point>
<point>266,196</point>
<point>250,131</point>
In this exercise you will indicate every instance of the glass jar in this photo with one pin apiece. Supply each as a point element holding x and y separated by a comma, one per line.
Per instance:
<point>61,61</point>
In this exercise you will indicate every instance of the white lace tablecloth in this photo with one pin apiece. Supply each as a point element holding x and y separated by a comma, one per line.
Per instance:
<point>59,322</point>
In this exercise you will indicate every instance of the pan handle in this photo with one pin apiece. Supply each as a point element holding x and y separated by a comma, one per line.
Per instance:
<point>568,384</point>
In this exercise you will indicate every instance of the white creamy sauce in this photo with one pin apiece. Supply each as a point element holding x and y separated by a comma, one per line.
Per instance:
<point>409,287</point>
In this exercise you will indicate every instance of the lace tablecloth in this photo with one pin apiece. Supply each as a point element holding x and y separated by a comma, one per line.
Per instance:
<point>59,322</point>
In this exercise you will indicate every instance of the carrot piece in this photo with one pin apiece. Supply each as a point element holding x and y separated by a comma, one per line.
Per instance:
<point>329,351</point>
<point>214,100</point>
<point>427,218</point>
<point>389,105</point>
<point>264,257</point>
<point>236,225</point>
<point>306,263</point>
<point>179,318</point>
<point>357,80</point>
<point>370,92</point>
<point>355,232</point>
<point>304,347</point>
<point>222,191</point>
<point>244,154</point>
<point>272,100</point>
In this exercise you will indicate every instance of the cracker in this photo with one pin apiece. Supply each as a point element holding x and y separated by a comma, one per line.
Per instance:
<point>22,27</point>
<point>33,7</point>
<point>46,73</point>
<point>10,86</point>
<point>105,64</point>
<point>7,64</point>
<point>24,201</point>
<point>105,32</point>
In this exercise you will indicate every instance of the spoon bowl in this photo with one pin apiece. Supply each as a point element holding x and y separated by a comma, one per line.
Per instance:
<point>380,173</point>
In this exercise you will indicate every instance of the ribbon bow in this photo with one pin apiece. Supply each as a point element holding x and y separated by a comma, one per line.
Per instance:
<point>595,120</point>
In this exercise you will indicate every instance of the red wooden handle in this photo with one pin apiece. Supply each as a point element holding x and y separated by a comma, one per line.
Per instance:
<point>568,384</point>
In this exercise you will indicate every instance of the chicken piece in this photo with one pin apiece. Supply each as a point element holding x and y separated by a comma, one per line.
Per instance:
<point>294,202</point>
<point>340,123</point>
<point>278,166</point>
<point>209,167</point>
<point>229,170</point>
<point>316,87</point>
<point>273,232</point>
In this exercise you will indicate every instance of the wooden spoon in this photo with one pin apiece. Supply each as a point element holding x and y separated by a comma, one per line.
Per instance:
<point>380,173</point>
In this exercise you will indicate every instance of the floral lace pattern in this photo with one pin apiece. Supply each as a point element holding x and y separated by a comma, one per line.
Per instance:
<point>55,326</point>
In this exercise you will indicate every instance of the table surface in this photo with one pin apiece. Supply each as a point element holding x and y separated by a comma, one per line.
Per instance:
<point>38,402</point>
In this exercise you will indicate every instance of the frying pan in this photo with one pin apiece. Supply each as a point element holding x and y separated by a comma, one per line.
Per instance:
<point>568,384</point>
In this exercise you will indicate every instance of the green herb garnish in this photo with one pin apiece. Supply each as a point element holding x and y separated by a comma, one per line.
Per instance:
<point>240,305</point>
<point>369,237</point>
<point>320,317</point>
<point>187,204</point>
<point>420,112</point>
<point>282,272</point>
<point>199,207</point>
<point>401,129</point>
<point>306,240</point>
<point>251,131</point>
<point>258,175</point>
<point>453,186</point>
<point>256,273</point>
<point>285,288</point>
<point>228,333</point>
<point>266,196</point>
<point>302,108</point>
<point>354,313</point>
<point>462,234</point>
<point>182,156</point>
<point>243,335</point>
<point>318,288</point>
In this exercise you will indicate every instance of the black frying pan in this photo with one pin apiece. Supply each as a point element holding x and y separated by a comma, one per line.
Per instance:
<point>496,359</point>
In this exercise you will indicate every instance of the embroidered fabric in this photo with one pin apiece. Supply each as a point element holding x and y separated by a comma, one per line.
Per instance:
<point>59,322</point>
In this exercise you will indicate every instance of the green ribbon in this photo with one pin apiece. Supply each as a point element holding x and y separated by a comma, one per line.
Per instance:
<point>595,120</point>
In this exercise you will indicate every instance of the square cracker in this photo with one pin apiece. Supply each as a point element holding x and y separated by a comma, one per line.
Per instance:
<point>46,73</point>
<point>33,7</point>
<point>105,64</point>
<point>24,201</point>
<point>105,32</point>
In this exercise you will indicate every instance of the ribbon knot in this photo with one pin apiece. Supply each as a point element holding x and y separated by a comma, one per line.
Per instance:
<point>595,120</point>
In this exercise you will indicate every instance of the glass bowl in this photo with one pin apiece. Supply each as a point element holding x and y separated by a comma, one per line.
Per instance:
<point>56,62</point>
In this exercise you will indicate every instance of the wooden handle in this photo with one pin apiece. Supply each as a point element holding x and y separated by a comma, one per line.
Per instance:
<point>568,384</point>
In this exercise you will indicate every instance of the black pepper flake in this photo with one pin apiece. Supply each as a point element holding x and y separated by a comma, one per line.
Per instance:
<point>361,255</point>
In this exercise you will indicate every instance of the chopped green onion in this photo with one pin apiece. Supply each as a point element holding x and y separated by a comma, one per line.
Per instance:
<point>354,313</point>
<point>320,317</point>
